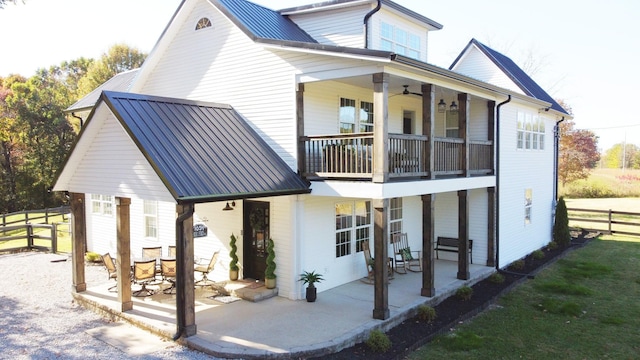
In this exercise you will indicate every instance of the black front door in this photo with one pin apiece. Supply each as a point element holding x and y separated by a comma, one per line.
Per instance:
<point>256,234</point>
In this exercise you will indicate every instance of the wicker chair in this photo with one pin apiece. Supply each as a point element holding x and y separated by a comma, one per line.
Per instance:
<point>144,273</point>
<point>108,262</point>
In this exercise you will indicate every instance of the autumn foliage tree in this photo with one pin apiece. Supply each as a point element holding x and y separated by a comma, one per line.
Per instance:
<point>578,153</point>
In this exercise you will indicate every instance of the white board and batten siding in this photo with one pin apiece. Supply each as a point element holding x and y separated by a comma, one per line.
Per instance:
<point>521,170</point>
<point>338,27</point>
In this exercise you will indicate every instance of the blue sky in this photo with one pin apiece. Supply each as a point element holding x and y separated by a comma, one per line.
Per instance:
<point>585,50</point>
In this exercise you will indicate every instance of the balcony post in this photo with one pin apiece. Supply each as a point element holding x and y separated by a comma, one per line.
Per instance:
<point>428,236</point>
<point>463,235</point>
<point>491,130</point>
<point>428,126</point>
<point>464,101</point>
<point>300,128</point>
<point>380,128</point>
<point>123,247</point>
<point>491,226</point>
<point>78,240</point>
<point>381,276</point>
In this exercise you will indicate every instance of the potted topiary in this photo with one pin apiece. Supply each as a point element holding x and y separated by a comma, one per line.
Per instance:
<point>270,272</point>
<point>233,265</point>
<point>311,278</point>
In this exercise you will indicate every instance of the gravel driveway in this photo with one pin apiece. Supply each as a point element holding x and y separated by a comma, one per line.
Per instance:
<point>40,320</point>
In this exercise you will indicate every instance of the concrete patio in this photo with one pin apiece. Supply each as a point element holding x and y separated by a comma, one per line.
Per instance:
<point>277,327</point>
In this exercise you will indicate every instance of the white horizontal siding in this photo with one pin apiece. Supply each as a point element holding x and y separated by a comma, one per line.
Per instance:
<point>339,27</point>
<point>476,65</point>
<point>113,165</point>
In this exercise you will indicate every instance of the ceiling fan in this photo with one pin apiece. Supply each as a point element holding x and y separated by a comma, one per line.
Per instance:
<point>407,92</point>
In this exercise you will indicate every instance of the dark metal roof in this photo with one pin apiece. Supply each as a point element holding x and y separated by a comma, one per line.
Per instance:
<point>515,73</point>
<point>260,22</point>
<point>203,151</point>
<point>119,82</point>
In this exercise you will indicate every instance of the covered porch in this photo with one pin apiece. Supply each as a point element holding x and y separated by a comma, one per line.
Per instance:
<point>339,318</point>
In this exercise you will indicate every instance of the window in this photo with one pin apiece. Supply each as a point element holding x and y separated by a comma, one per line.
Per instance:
<point>349,122</point>
<point>351,234</point>
<point>151,219</point>
<point>395,216</point>
<point>531,132</point>
<point>528,201</point>
<point>102,204</point>
<point>451,124</point>
<point>203,23</point>
<point>400,41</point>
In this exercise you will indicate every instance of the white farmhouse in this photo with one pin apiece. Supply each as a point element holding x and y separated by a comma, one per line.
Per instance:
<point>322,127</point>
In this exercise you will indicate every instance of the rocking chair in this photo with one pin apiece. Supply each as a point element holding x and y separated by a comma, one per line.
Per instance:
<point>405,258</point>
<point>369,262</point>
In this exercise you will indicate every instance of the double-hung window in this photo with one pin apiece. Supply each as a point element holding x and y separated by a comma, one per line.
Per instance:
<point>528,204</point>
<point>354,118</point>
<point>400,41</point>
<point>102,204</point>
<point>150,219</point>
<point>531,132</point>
<point>395,216</point>
<point>353,226</point>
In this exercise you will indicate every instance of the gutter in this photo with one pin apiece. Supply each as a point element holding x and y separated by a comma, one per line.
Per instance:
<point>181,271</point>
<point>366,23</point>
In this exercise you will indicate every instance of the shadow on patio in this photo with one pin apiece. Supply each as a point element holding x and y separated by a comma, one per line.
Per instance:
<point>278,327</point>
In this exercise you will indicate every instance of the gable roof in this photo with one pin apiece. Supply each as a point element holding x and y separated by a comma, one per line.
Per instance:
<point>514,72</point>
<point>259,22</point>
<point>120,82</point>
<point>202,151</point>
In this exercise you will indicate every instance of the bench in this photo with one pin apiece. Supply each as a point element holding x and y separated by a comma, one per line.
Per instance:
<point>451,245</point>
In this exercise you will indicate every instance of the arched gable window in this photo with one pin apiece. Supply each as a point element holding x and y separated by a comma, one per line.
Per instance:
<point>203,23</point>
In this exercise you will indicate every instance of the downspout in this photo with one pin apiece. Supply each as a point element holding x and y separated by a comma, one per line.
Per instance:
<point>366,23</point>
<point>180,306</point>
<point>556,160</point>
<point>498,141</point>
<point>77,117</point>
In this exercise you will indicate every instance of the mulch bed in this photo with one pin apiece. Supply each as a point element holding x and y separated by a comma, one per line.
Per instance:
<point>413,333</point>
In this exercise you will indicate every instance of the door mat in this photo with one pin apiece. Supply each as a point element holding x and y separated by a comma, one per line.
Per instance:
<point>254,285</point>
<point>225,299</point>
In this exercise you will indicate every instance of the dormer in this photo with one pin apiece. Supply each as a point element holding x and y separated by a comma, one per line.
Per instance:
<point>387,25</point>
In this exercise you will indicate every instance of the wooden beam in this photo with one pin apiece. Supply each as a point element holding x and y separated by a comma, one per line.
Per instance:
<point>380,127</point>
<point>428,238</point>
<point>491,226</point>
<point>302,168</point>
<point>78,240</point>
<point>381,255</point>
<point>464,102</point>
<point>491,130</point>
<point>123,246</point>
<point>185,281</point>
<point>463,235</point>
<point>429,126</point>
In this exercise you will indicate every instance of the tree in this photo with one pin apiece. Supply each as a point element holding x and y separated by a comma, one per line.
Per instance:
<point>561,233</point>
<point>578,153</point>
<point>613,158</point>
<point>119,58</point>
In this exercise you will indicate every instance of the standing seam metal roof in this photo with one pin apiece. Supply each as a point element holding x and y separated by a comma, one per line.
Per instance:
<point>203,151</point>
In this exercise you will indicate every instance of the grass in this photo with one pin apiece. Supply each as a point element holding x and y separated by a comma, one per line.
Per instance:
<point>64,236</point>
<point>582,307</point>
<point>604,183</point>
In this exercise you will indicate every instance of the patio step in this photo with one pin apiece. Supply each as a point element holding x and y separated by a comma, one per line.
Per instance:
<point>251,291</point>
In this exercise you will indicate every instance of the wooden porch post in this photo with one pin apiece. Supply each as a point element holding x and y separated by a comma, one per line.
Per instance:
<point>491,226</point>
<point>491,130</point>
<point>381,274</point>
<point>78,240</point>
<point>463,235</point>
<point>300,128</point>
<point>464,101</point>
<point>428,236</point>
<point>428,126</point>
<point>185,282</point>
<point>380,127</point>
<point>123,246</point>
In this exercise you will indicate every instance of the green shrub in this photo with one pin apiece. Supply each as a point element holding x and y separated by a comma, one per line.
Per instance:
<point>538,254</point>
<point>496,278</point>
<point>426,313</point>
<point>552,245</point>
<point>561,233</point>
<point>378,341</point>
<point>464,292</point>
<point>92,257</point>
<point>517,265</point>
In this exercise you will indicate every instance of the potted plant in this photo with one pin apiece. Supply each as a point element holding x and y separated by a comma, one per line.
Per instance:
<point>270,272</point>
<point>233,265</point>
<point>311,278</point>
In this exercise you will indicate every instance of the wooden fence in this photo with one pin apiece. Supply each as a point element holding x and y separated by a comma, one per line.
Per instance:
<point>23,216</point>
<point>617,222</point>
<point>27,237</point>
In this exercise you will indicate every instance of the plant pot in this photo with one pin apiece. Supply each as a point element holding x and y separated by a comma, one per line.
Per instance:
<point>270,283</point>
<point>233,275</point>
<point>311,293</point>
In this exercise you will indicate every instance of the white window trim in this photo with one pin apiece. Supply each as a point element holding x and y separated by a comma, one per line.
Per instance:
<point>102,204</point>
<point>353,230</point>
<point>148,216</point>
<point>395,222</point>
<point>395,45</point>
<point>359,122</point>
<point>528,206</point>
<point>530,132</point>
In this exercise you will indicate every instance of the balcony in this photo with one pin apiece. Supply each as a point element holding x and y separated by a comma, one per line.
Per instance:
<point>351,156</point>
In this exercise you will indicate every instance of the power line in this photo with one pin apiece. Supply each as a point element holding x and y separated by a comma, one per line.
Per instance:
<point>611,127</point>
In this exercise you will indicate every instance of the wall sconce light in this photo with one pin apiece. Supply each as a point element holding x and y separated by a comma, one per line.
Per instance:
<point>229,208</point>
<point>442,106</point>
<point>453,107</point>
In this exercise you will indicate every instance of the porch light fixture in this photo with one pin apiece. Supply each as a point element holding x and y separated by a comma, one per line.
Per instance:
<point>453,107</point>
<point>442,106</point>
<point>229,208</point>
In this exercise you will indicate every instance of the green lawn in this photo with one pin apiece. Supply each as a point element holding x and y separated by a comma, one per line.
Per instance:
<point>64,237</point>
<point>583,307</point>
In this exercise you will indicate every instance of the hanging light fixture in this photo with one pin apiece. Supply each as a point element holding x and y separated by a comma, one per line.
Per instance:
<point>229,208</point>
<point>442,106</point>
<point>453,107</point>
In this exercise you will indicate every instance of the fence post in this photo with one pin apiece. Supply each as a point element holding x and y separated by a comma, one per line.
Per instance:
<point>610,212</point>
<point>4,220</point>
<point>46,215</point>
<point>29,236</point>
<point>54,238</point>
